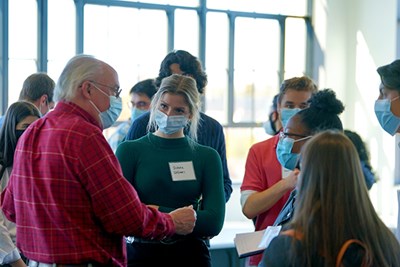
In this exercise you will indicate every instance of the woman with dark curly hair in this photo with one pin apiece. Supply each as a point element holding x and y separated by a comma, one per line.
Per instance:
<point>322,114</point>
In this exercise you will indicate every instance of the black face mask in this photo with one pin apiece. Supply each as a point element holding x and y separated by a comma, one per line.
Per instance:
<point>18,133</point>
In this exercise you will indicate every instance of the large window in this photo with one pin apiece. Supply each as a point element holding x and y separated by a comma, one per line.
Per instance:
<point>22,43</point>
<point>246,47</point>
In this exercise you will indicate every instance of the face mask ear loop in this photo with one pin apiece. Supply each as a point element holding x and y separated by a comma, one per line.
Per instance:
<point>301,139</point>
<point>394,99</point>
<point>91,102</point>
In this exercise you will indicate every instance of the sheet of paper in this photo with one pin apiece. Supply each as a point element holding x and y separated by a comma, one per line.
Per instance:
<point>269,234</point>
<point>252,243</point>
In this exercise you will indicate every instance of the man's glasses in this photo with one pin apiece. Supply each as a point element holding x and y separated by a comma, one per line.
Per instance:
<point>116,91</point>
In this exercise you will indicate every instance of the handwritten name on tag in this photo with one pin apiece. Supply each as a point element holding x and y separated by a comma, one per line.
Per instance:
<point>182,171</point>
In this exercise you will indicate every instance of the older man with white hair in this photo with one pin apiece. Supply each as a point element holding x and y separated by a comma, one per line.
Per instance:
<point>67,194</point>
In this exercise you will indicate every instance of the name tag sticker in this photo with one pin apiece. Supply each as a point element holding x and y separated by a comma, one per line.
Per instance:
<point>182,171</point>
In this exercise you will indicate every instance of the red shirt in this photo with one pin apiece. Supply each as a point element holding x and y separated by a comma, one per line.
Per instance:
<point>68,196</point>
<point>262,171</point>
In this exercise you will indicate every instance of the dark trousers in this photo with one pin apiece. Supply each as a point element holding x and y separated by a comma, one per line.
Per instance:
<point>189,252</point>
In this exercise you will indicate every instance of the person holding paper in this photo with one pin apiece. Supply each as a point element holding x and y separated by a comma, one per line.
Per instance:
<point>264,191</point>
<point>333,208</point>
<point>170,170</point>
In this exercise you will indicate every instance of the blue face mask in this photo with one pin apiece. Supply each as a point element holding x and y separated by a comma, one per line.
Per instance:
<point>269,128</point>
<point>388,121</point>
<point>169,124</point>
<point>287,113</point>
<point>284,152</point>
<point>135,113</point>
<point>109,116</point>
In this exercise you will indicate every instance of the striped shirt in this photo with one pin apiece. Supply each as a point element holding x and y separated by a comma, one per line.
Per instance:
<point>68,196</point>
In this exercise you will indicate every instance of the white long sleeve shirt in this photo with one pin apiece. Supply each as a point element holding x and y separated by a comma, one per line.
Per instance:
<point>8,251</point>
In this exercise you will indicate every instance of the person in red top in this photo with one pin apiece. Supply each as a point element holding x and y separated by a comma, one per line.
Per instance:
<point>263,190</point>
<point>67,194</point>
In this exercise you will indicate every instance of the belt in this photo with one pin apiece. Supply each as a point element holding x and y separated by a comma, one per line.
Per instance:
<point>33,263</point>
<point>166,241</point>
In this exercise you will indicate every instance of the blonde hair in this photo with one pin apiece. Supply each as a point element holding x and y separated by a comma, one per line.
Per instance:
<point>179,85</point>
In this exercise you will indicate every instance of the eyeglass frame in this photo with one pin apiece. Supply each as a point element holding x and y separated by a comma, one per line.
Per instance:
<point>116,90</point>
<point>283,135</point>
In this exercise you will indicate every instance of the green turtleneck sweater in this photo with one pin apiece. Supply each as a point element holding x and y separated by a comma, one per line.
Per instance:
<point>173,173</point>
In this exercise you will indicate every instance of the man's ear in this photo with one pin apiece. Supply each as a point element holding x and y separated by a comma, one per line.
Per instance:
<point>274,116</point>
<point>86,89</point>
<point>43,99</point>
<point>278,108</point>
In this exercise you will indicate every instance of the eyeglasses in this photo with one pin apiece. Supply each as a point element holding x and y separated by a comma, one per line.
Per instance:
<point>283,135</point>
<point>116,91</point>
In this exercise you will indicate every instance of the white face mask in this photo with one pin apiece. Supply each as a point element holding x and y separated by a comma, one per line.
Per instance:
<point>169,124</point>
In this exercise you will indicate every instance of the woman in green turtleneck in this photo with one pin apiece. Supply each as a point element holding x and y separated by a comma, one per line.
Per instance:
<point>170,170</point>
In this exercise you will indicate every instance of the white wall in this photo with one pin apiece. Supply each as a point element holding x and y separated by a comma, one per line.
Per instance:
<point>354,37</point>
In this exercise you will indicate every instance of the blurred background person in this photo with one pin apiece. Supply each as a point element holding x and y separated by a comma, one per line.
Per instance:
<point>387,106</point>
<point>140,94</point>
<point>273,125</point>
<point>363,153</point>
<point>333,207</point>
<point>38,88</point>
<point>17,118</point>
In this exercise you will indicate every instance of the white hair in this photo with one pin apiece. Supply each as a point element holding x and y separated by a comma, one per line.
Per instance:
<point>78,69</point>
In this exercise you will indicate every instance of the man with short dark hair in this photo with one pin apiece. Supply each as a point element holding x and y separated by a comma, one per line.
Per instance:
<point>38,88</point>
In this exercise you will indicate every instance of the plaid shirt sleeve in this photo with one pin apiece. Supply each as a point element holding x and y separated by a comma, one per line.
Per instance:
<point>115,201</point>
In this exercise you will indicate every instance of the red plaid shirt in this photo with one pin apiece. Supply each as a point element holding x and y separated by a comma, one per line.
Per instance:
<point>68,196</point>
